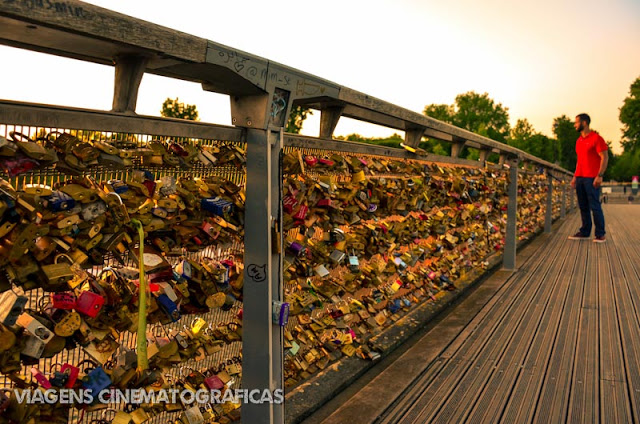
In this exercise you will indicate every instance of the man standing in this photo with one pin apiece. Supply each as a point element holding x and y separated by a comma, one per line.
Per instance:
<point>592,162</point>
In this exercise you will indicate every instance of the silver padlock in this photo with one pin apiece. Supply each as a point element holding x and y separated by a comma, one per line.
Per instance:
<point>193,415</point>
<point>11,306</point>
<point>35,327</point>
<point>33,347</point>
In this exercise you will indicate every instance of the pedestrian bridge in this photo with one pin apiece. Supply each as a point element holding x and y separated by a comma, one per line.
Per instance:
<point>555,341</point>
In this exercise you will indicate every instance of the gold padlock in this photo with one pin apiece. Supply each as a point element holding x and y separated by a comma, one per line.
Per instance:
<point>68,324</point>
<point>38,189</point>
<point>57,273</point>
<point>80,194</point>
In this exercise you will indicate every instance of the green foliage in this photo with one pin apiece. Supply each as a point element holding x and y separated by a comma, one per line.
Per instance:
<point>392,141</point>
<point>478,113</point>
<point>625,166</point>
<point>474,112</point>
<point>630,118</point>
<point>566,135</point>
<point>296,118</point>
<point>173,108</point>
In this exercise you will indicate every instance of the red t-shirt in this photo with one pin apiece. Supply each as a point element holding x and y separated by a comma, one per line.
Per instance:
<point>587,149</point>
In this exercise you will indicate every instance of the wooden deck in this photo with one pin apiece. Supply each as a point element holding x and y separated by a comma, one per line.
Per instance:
<point>557,341</point>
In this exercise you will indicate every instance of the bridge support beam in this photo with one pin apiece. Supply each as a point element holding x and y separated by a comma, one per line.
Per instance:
<point>549,212</point>
<point>511,236</point>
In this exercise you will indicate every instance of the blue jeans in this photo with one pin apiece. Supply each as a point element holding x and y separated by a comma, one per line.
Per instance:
<point>589,202</point>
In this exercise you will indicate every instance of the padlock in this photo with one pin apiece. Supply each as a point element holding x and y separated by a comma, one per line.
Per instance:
<point>18,165</point>
<point>57,274</point>
<point>40,378</point>
<point>184,269</point>
<point>168,307</point>
<point>89,303</point>
<point>96,381</point>
<point>35,327</point>
<point>33,347</point>
<point>38,190</point>
<point>122,417</point>
<point>337,256</point>
<point>354,263</point>
<point>192,415</point>
<point>280,313</point>
<point>11,307</point>
<point>68,324</point>
<point>197,326</point>
<point>321,271</point>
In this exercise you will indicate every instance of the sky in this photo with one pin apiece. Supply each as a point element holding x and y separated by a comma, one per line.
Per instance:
<point>541,59</point>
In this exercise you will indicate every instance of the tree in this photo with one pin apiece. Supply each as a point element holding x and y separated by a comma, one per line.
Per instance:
<point>475,112</point>
<point>296,118</point>
<point>520,136</point>
<point>173,108</point>
<point>630,118</point>
<point>566,137</point>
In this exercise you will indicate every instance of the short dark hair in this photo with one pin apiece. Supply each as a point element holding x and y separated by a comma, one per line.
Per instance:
<point>584,118</point>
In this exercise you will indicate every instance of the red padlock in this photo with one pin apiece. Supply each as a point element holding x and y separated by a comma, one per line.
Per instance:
<point>301,215</point>
<point>310,160</point>
<point>326,161</point>
<point>63,300</point>
<point>89,303</point>
<point>324,203</point>
<point>150,185</point>
<point>73,374</point>
<point>289,204</point>
<point>214,383</point>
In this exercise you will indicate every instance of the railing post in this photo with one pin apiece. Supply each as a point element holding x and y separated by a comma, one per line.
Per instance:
<point>262,341</point>
<point>329,118</point>
<point>549,212</point>
<point>129,72</point>
<point>511,236</point>
<point>563,206</point>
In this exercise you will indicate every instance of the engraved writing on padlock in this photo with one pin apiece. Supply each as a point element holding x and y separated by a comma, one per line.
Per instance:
<point>68,324</point>
<point>89,303</point>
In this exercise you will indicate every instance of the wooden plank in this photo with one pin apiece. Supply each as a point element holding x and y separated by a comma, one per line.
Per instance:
<point>626,283</point>
<point>444,367</point>
<point>431,369</point>
<point>584,397</point>
<point>505,350</point>
<point>614,403</point>
<point>499,389</point>
<point>510,309</point>
<point>531,384</point>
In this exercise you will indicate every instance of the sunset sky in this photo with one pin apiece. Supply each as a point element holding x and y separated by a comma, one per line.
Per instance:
<point>541,59</point>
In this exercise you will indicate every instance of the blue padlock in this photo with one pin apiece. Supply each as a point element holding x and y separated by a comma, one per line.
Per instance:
<point>217,206</point>
<point>168,307</point>
<point>59,201</point>
<point>118,186</point>
<point>96,381</point>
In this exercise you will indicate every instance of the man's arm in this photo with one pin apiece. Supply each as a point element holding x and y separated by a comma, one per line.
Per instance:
<point>604,161</point>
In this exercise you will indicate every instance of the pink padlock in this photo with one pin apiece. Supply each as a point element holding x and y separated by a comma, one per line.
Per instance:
<point>89,303</point>
<point>214,383</point>
<point>63,300</point>
<point>302,213</point>
<point>40,378</point>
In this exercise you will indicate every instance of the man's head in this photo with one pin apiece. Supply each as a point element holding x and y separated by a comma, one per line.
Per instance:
<point>582,122</point>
